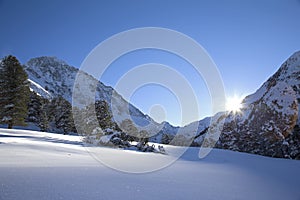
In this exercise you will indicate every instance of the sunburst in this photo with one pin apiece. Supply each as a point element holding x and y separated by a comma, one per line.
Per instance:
<point>234,103</point>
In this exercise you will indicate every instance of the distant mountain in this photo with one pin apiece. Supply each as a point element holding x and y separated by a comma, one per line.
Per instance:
<point>51,77</point>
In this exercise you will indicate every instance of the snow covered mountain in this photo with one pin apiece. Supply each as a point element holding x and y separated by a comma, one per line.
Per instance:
<point>268,122</point>
<point>287,77</point>
<point>51,77</point>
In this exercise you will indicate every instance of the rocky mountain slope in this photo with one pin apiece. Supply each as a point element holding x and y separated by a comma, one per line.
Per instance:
<point>268,122</point>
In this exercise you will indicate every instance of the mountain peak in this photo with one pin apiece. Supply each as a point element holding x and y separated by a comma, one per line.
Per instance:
<point>46,61</point>
<point>296,54</point>
<point>52,74</point>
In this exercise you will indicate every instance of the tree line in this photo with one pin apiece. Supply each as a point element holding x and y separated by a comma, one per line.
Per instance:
<point>20,106</point>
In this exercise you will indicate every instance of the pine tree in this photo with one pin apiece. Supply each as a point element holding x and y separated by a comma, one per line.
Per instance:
<point>60,112</point>
<point>34,108</point>
<point>86,119</point>
<point>43,122</point>
<point>37,112</point>
<point>166,138</point>
<point>79,120</point>
<point>143,137</point>
<point>104,115</point>
<point>14,94</point>
<point>44,118</point>
<point>128,127</point>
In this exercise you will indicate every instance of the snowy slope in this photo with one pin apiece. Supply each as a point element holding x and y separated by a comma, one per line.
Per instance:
<point>288,75</point>
<point>44,166</point>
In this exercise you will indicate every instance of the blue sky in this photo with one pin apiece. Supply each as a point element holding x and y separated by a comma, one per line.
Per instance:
<point>248,40</point>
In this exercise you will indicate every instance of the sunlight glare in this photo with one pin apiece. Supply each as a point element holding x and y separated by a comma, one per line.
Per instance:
<point>234,104</point>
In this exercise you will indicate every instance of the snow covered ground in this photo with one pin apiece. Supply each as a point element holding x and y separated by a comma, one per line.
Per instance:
<point>47,166</point>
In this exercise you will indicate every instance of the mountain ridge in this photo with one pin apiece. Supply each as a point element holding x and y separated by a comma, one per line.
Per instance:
<point>268,121</point>
<point>51,77</point>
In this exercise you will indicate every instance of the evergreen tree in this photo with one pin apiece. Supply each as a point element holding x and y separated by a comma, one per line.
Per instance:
<point>86,119</point>
<point>37,112</point>
<point>143,137</point>
<point>14,94</point>
<point>166,138</point>
<point>104,115</point>
<point>95,115</point>
<point>60,112</point>
<point>129,128</point>
<point>133,134</point>
<point>78,119</point>
<point>34,108</point>
<point>43,122</point>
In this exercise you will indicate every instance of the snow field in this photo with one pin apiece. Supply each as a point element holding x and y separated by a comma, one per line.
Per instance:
<point>44,166</point>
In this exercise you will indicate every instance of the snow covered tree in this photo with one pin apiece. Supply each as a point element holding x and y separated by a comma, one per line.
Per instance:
<point>14,94</point>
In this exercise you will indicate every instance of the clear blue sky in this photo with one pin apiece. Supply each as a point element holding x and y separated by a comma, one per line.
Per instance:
<point>248,39</point>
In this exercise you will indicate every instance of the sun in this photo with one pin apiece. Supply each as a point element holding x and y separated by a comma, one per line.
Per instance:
<point>234,104</point>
